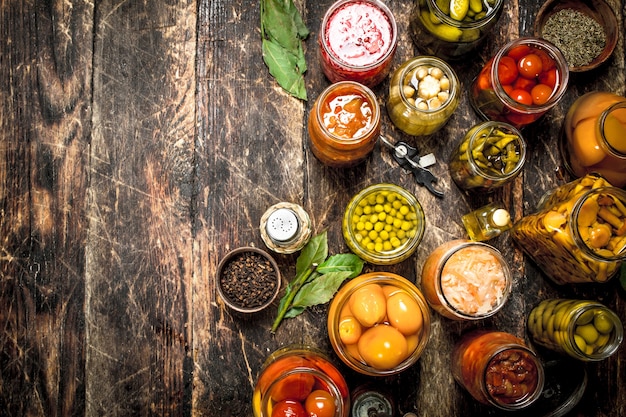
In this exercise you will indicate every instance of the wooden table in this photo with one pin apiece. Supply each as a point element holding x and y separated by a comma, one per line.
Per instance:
<point>141,141</point>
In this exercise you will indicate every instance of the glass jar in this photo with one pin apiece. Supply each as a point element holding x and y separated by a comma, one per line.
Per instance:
<point>578,233</point>
<point>423,94</point>
<point>465,280</point>
<point>357,41</point>
<point>503,93</point>
<point>490,155</point>
<point>594,137</point>
<point>436,30</point>
<point>497,368</point>
<point>292,374</point>
<point>379,323</point>
<point>584,330</point>
<point>344,124</point>
<point>383,224</point>
<point>487,222</point>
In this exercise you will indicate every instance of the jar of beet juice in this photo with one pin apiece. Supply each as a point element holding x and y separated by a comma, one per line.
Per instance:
<point>497,368</point>
<point>594,137</point>
<point>357,41</point>
<point>525,79</point>
<point>299,380</point>
<point>451,30</point>
<point>344,124</point>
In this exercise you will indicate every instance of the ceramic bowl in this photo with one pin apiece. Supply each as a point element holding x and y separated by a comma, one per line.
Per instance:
<point>248,279</point>
<point>596,9</point>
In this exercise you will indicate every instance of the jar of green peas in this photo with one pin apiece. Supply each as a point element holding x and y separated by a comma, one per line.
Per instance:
<point>383,224</point>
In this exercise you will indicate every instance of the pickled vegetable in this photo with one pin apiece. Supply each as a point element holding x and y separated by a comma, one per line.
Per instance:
<point>579,235</point>
<point>585,330</point>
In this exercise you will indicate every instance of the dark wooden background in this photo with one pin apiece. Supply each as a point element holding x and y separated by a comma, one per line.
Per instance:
<point>141,140</point>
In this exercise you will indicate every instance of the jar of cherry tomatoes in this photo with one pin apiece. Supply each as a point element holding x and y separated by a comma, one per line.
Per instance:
<point>497,368</point>
<point>452,32</point>
<point>423,94</point>
<point>525,79</point>
<point>300,381</point>
<point>344,124</point>
<point>594,137</point>
<point>357,41</point>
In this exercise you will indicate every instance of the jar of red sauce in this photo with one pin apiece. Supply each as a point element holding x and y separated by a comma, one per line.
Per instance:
<point>525,79</point>
<point>594,137</point>
<point>357,41</point>
<point>497,368</point>
<point>300,380</point>
<point>344,124</point>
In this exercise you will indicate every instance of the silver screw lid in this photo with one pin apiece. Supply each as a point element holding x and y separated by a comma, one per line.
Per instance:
<point>282,225</point>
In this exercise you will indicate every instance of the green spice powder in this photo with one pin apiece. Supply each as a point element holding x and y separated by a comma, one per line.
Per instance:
<point>579,37</point>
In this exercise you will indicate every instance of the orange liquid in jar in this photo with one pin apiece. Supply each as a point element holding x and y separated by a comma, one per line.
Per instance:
<point>593,146</point>
<point>347,115</point>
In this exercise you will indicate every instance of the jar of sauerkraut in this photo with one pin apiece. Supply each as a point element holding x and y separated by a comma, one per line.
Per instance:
<point>578,233</point>
<point>466,280</point>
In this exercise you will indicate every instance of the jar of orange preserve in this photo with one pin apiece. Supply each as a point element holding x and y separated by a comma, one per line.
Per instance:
<point>594,137</point>
<point>344,124</point>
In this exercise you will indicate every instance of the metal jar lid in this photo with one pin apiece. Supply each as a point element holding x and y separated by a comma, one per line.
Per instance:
<point>285,227</point>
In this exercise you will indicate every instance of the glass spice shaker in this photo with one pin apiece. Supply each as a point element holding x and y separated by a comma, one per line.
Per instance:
<point>584,330</point>
<point>487,222</point>
<point>285,227</point>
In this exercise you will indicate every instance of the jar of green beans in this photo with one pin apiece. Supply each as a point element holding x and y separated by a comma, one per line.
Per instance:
<point>490,155</point>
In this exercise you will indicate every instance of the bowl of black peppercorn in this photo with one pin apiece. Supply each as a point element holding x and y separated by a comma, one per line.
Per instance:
<point>586,31</point>
<point>248,279</point>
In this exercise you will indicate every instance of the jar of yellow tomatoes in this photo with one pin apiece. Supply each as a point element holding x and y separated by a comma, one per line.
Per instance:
<point>594,137</point>
<point>300,380</point>
<point>578,234</point>
<point>379,323</point>
<point>344,124</point>
<point>585,330</point>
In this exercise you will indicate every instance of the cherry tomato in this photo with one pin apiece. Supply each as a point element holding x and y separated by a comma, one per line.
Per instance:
<point>320,404</point>
<point>507,89</point>
<point>522,96</point>
<point>548,77</point>
<point>383,347</point>
<point>530,66</point>
<point>541,93</point>
<point>404,313</point>
<point>349,330</point>
<point>484,82</point>
<point>296,386</point>
<point>507,70</point>
<point>288,408</point>
<point>518,52</point>
<point>546,61</point>
<point>524,84</point>
<point>368,305</point>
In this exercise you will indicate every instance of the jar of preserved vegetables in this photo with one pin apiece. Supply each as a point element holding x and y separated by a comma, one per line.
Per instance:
<point>594,137</point>
<point>584,330</point>
<point>578,233</point>
<point>344,124</point>
<point>497,368</point>
<point>300,380</point>
<point>490,155</point>
<point>524,80</point>
<point>423,94</point>
<point>452,32</point>
<point>487,222</point>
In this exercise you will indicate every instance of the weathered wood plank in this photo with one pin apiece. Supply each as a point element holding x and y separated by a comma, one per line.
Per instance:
<point>139,268</point>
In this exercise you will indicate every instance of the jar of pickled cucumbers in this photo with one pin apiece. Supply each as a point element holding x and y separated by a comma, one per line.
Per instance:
<point>423,94</point>
<point>594,137</point>
<point>524,80</point>
<point>452,29</point>
<point>578,233</point>
<point>584,330</point>
<point>490,155</point>
<point>497,368</point>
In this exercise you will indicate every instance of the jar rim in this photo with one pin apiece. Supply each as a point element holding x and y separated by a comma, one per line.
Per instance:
<point>444,66</point>
<point>601,122</point>
<point>522,147</point>
<point>445,18</point>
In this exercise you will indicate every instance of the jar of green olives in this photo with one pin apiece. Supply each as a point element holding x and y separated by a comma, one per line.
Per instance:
<point>584,330</point>
<point>424,92</point>
<point>579,233</point>
<point>383,224</point>
<point>452,29</point>
<point>490,155</point>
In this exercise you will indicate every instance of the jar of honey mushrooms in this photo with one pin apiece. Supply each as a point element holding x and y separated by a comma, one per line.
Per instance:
<point>594,137</point>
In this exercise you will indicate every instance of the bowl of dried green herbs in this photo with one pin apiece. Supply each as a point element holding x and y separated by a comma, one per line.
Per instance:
<point>248,279</point>
<point>586,31</point>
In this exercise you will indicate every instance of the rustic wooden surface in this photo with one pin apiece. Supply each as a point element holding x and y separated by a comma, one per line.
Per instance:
<point>141,141</point>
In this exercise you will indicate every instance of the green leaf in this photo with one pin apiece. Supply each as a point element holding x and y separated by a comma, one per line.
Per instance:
<point>342,262</point>
<point>315,252</point>
<point>320,290</point>
<point>283,67</point>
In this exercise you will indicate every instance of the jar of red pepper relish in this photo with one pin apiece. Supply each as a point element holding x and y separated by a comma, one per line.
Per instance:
<point>344,124</point>
<point>357,41</point>
<point>497,368</point>
<point>525,79</point>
